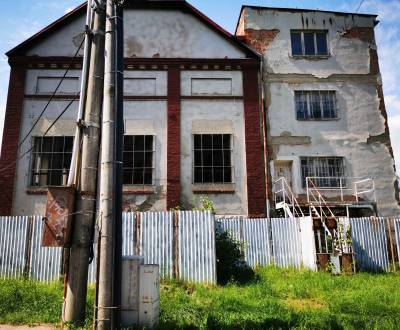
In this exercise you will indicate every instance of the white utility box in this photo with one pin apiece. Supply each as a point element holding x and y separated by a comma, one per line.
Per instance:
<point>140,293</point>
<point>130,290</point>
<point>149,295</point>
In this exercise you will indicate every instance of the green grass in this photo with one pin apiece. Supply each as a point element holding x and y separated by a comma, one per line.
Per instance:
<point>280,299</point>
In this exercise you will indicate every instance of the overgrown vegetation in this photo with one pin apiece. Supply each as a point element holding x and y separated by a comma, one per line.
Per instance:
<point>279,299</point>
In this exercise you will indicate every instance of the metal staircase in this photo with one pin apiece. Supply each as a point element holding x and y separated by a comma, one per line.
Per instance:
<point>286,200</point>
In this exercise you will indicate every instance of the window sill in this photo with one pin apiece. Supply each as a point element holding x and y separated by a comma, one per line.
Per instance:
<point>37,191</point>
<point>310,57</point>
<point>213,188</point>
<point>318,119</point>
<point>138,190</point>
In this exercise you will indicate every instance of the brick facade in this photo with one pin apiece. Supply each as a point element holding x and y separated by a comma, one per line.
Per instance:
<point>254,145</point>
<point>11,136</point>
<point>173,138</point>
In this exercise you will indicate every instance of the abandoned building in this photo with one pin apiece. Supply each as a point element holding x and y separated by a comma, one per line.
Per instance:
<point>286,114</point>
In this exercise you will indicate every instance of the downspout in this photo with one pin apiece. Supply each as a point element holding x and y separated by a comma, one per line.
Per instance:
<point>265,136</point>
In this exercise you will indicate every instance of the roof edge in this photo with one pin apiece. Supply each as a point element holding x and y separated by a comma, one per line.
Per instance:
<point>56,24</point>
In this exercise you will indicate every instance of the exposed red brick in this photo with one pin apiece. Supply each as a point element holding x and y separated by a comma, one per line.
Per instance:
<point>259,39</point>
<point>12,126</point>
<point>254,143</point>
<point>173,138</point>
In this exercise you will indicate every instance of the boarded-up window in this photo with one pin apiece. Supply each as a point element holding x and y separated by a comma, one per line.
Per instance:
<point>47,85</point>
<point>140,86</point>
<point>211,86</point>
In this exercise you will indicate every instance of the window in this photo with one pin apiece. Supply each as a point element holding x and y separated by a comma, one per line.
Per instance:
<point>309,43</point>
<point>315,105</point>
<point>212,158</point>
<point>326,171</point>
<point>138,159</point>
<point>51,160</point>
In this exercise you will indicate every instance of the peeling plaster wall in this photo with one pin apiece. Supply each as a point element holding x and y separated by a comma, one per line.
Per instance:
<point>360,134</point>
<point>349,56</point>
<point>149,33</point>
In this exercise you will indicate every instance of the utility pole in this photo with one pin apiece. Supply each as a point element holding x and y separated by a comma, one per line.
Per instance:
<point>82,236</point>
<point>108,307</point>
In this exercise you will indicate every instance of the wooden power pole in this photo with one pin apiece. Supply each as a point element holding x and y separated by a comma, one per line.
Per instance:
<point>82,236</point>
<point>109,277</point>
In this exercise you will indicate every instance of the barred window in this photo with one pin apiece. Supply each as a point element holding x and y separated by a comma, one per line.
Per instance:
<point>51,160</point>
<point>326,171</point>
<point>315,105</point>
<point>309,43</point>
<point>138,159</point>
<point>212,158</point>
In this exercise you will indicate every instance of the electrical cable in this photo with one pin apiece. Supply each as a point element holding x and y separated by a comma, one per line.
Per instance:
<point>45,133</point>
<point>359,6</point>
<point>53,95</point>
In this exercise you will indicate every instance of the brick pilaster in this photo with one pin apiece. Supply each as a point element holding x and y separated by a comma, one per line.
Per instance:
<point>11,136</point>
<point>173,134</point>
<point>254,143</point>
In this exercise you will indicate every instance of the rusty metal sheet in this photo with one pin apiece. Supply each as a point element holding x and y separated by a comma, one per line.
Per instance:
<point>57,221</point>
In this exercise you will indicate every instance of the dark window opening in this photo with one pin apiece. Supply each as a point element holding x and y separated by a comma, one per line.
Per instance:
<point>138,159</point>
<point>51,160</point>
<point>327,172</point>
<point>212,158</point>
<point>309,43</point>
<point>315,105</point>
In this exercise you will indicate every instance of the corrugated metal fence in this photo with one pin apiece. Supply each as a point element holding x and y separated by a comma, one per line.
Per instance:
<point>182,243</point>
<point>369,242</point>
<point>283,241</point>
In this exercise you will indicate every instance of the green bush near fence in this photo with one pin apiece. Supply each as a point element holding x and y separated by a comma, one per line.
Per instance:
<point>279,299</point>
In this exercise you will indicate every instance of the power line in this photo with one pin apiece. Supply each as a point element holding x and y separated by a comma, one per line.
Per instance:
<point>53,95</point>
<point>359,6</point>
<point>45,133</point>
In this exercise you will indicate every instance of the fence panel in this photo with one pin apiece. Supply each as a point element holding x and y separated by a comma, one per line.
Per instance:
<point>253,234</point>
<point>156,240</point>
<point>370,243</point>
<point>197,258</point>
<point>397,234</point>
<point>13,233</point>
<point>308,251</point>
<point>46,262</point>
<point>286,242</point>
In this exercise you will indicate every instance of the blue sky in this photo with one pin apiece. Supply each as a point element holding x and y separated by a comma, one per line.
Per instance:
<point>22,18</point>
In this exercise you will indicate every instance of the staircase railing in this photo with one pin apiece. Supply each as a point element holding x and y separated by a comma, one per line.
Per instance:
<point>285,199</point>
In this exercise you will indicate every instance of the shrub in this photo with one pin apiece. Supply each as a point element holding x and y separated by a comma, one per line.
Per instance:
<point>231,265</point>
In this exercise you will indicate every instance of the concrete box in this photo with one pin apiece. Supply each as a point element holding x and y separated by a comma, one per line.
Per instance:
<point>130,290</point>
<point>149,314</point>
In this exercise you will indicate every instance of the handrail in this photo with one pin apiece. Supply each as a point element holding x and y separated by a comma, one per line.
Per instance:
<point>320,198</point>
<point>287,192</point>
<point>349,185</point>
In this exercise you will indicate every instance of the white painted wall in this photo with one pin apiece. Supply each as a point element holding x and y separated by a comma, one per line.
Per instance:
<point>149,33</point>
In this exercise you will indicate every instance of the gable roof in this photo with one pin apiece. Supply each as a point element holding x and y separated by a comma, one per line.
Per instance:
<point>146,4</point>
